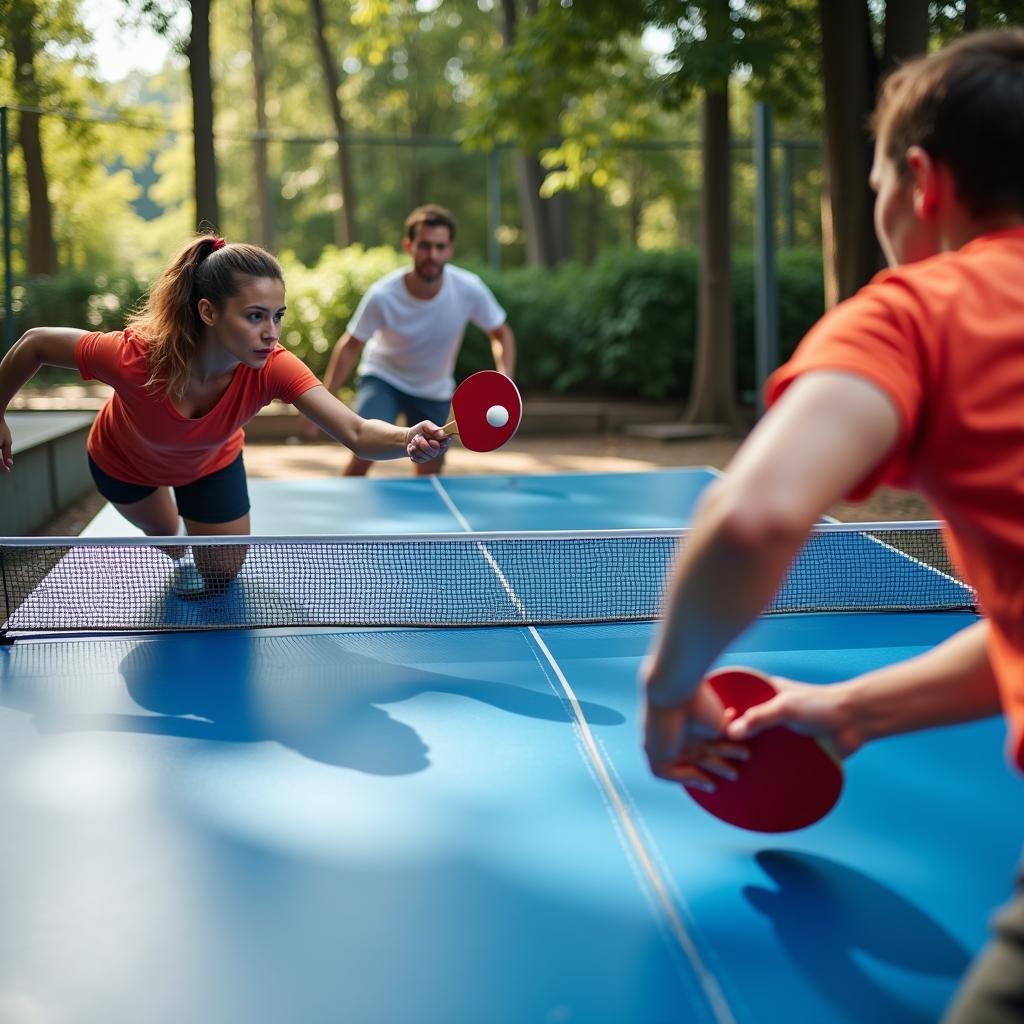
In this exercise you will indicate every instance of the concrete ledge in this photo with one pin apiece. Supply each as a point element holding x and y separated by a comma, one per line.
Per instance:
<point>677,431</point>
<point>51,470</point>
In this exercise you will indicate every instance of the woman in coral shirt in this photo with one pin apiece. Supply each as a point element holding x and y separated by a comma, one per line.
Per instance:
<point>198,361</point>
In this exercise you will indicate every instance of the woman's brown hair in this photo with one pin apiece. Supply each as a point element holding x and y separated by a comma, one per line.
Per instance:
<point>168,322</point>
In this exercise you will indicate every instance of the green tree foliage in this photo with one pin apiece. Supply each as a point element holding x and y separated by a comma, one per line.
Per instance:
<point>583,82</point>
<point>626,326</point>
<point>589,50</point>
<point>403,75</point>
<point>322,298</point>
<point>87,165</point>
<point>950,19</point>
<point>409,70</point>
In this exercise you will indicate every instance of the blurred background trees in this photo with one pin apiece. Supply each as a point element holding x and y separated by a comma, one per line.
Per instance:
<point>570,136</point>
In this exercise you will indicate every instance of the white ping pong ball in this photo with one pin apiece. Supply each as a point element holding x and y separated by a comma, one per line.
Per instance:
<point>497,416</point>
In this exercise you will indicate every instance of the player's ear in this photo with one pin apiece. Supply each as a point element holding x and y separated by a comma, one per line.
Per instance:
<point>206,312</point>
<point>407,244</point>
<point>925,173</point>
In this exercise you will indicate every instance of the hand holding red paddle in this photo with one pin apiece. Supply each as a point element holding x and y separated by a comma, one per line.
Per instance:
<point>759,776</point>
<point>426,441</point>
<point>790,780</point>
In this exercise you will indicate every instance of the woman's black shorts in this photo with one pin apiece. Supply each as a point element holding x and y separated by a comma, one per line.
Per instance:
<point>218,497</point>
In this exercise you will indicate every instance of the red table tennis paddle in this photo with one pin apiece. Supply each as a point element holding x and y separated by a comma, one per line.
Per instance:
<point>487,410</point>
<point>790,781</point>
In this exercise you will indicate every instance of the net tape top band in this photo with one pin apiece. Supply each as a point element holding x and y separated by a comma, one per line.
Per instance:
<point>58,585</point>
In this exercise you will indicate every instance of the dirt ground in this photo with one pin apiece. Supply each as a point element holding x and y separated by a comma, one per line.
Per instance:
<point>608,453</point>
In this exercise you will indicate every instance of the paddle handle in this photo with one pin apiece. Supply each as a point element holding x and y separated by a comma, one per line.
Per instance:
<point>451,428</point>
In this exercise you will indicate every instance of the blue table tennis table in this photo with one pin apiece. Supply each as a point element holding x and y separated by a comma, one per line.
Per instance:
<point>457,825</point>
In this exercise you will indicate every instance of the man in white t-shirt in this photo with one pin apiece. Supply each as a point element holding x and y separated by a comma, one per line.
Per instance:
<point>408,329</point>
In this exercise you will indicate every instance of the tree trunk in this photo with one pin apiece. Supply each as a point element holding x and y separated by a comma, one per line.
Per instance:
<point>713,390</point>
<point>418,179</point>
<point>345,229</point>
<point>558,215</point>
<point>851,71</point>
<point>201,82</point>
<point>264,226</point>
<point>591,224</point>
<point>906,32</point>
<point>546,222</point>
<point>42,249</point>
<point>420,170</point>
<point>636,203</point>
<point>529,177</point>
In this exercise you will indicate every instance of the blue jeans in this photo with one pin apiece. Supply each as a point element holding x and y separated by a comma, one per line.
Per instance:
<point>376,399</point>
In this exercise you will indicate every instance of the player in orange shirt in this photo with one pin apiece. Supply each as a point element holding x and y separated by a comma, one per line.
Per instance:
<point>197,363</point>
<point>917,380</point>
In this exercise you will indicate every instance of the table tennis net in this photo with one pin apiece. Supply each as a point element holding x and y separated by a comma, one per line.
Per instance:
<point>134,585</point>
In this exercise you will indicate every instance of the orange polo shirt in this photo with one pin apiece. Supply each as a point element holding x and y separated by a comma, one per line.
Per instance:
<point>139,437</point>
<point>944,339</point>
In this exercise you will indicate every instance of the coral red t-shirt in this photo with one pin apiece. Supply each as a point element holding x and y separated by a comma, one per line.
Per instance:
<point>944,339</point>
<point>139,437</point>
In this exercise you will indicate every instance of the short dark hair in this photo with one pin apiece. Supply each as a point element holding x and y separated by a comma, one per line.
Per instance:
<point>432,216</point>
<point>963,105</point>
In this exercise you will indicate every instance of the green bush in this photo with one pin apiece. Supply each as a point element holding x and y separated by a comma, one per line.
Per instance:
<point>622,328</point>
<point>75,300</point>
<point>626,327</point>
<point>321,299</point>
<point>800,302</point>
<point>541,311</point>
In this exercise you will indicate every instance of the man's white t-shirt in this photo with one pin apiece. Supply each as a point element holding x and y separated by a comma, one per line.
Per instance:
<point>413,343</point>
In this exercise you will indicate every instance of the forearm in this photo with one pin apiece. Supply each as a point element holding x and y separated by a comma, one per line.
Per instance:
<point>19,366</point>
<point>369,439</point>
<point>951,683</point>
<point>503,349</point>
<point>821,439</point>
<point>723,579</point>
<point>376,440</point>
<point>342,362</point>
<point>38,346</point>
